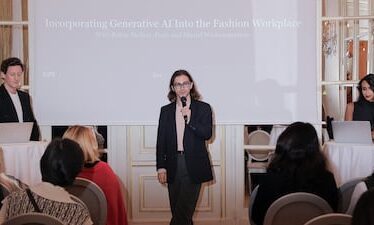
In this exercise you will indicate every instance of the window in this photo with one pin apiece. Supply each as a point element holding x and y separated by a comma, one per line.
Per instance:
<point>347,52</point>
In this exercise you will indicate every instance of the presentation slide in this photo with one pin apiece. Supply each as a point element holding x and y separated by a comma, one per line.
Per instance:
<point>110,62</point>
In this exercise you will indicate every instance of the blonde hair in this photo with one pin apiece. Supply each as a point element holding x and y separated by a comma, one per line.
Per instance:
<point>86,138</point>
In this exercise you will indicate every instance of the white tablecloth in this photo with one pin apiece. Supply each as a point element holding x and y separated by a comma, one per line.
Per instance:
<point>348,161</point>
<point>22,160</point>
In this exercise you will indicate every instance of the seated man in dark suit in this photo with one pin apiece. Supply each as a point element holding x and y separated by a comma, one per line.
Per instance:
<point>15,105</point>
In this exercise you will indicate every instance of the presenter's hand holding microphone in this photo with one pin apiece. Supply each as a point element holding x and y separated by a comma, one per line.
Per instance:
<point>186,112</point>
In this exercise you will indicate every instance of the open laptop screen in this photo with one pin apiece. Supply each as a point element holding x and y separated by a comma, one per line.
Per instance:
<point>15,132</point>
<point>352,132</point>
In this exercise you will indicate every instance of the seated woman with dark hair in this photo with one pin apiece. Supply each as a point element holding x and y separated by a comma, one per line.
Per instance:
<point>363,108</point>
<point>59,165</point>
<point>297,166</point>
<point>363,212</point>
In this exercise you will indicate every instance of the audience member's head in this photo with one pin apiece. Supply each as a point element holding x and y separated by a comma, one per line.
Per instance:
<point>13,61</point>
<point>298,151</point>
<point>366,88</point>
<point>363,213</point>
<point>61,162</point>
<point>85,137</point>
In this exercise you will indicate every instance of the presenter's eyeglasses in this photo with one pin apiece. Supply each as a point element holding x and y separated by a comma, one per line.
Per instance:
<point>182,85</point>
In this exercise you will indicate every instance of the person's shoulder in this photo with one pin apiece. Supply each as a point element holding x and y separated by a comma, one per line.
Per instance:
<point>272,178</point>
<point>326,176</point>
<point>98,165</point>
<point>200,103</point>
<point>351,105</point>
<point>329,174</point>
<point>168,106</point>
<point>22,93</point>
<point>364,103</point>
<point>103,165</point>
<point>2,90</point>
<point>17,195</point>
<point>104,168</point>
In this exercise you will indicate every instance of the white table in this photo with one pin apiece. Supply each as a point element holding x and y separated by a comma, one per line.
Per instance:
<point>348,161</point>
<point>22,160</point>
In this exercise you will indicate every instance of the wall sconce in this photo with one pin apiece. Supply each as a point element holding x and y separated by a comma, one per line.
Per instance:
<point>329,38</point>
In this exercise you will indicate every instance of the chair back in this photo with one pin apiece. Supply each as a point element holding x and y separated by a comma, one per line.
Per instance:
<point>93,197</point>
<point>331,219</point>
<point>258,137</point>
<point>259,153</point>
<point>33,219</point>
<point>345,194</point>
<point>251,201</point>
<point>296,209</point>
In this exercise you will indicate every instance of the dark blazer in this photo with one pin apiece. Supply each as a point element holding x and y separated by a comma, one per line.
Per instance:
<point>196,133</point>
<point>8,111</point>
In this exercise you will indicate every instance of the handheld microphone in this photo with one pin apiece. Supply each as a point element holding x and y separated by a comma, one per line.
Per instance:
<point>184,103</point>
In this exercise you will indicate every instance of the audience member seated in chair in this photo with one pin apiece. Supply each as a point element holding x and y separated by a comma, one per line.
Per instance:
<point>363,212</point>
<point>366,184</point>
<point>297,166</point>
<point>59,165</point>
<point>100,173</point>
<point>363,108</point>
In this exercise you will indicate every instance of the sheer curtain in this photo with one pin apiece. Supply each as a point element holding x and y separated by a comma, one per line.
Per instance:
<point>7,38</point>
<point>5,30</point>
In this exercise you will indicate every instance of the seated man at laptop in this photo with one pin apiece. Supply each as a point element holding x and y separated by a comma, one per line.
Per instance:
<point>15,105</point>
<point>363,108</point>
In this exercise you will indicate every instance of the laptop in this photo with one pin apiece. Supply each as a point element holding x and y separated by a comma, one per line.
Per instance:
<point>15,132</point>
<point>352,132</point>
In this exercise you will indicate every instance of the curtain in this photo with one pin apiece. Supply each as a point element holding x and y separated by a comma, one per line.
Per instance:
<point>5,30</point>
<point>25,41</point>
<point>6,38</point>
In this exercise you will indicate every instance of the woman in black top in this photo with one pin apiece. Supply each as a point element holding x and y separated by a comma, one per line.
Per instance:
<point>297,166</point>
<point>363,108</point>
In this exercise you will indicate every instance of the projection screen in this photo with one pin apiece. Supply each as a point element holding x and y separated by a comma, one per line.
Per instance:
<point>109,62</point>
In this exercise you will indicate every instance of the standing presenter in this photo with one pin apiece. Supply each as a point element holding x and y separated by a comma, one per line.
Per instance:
<point>183,161</point>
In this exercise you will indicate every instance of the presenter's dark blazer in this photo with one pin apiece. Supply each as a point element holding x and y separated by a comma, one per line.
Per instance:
<point>8,111</point>
<point>196,133</point>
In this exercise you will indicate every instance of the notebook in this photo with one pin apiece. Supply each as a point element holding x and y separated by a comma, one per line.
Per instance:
<point>352,132</point>
<point>15,132</point>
